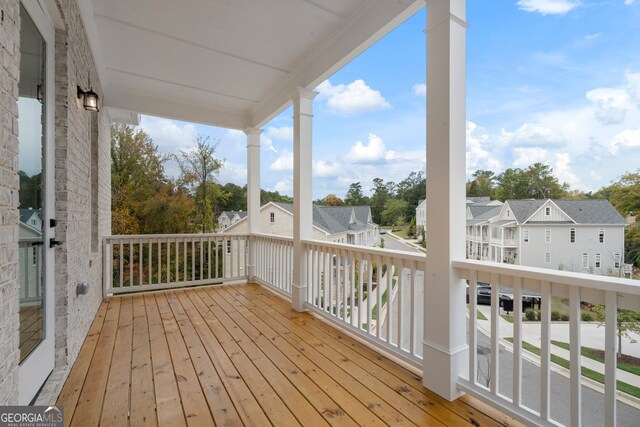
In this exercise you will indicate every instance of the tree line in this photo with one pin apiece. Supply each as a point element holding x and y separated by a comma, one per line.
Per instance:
<point>144,200</point>
<point>147,201</point>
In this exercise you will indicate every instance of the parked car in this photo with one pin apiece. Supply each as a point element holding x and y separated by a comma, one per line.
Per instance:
<point>483,293</point>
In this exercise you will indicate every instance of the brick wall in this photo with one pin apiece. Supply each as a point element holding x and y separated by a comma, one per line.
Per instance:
<point>9,184</point>
<point>76,166</point>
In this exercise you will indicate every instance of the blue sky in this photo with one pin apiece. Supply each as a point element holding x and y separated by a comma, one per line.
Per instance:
<point>554,81</point>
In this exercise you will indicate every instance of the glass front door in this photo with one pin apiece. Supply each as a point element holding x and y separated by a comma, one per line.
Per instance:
<point>35,257</point>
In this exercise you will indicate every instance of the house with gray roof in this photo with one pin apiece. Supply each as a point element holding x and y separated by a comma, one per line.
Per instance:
<point>479,215</point>
<point>340,224</point>
<point>576,235</point>
<point>227,218</point>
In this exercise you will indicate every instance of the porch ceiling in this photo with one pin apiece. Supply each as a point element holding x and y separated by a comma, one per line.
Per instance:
<point>227,63</point>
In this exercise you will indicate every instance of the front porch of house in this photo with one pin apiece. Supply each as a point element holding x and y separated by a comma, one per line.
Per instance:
<point>239,355</point>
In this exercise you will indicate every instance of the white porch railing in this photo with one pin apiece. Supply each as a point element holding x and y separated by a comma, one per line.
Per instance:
<point>613,293</point>
<point>374,293</point>
<point>274,262</point>
<point>148,262</point>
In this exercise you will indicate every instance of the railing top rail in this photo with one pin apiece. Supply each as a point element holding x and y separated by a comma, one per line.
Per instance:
<point>172,236</point>
<point>409,256</point>
<point>273,236</point>
<point>604,283</point>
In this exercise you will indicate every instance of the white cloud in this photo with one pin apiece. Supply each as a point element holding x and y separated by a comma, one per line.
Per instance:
<point>629,2</point>
<point>322,168</point>
<point>373,152</point>
<point>626,138</point>
<point>233,172</point>
<point>611,104</point>
<point>529,155</point>
<point>531,135</point>
<point>548,7</point>
<point>564,172</point>
<point>267,143</point>
<point>594,36</point>
<point>420,89</point>
<point>168,135</point>
<point>283,186</point>
<point>284,133</point>
<point>284,162</point>
<point>478,155</point>
<point>356,97</point>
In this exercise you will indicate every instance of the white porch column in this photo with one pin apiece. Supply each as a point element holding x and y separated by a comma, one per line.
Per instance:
<point>445,345</point>
<point>302,200</point>
<point>253,194</point>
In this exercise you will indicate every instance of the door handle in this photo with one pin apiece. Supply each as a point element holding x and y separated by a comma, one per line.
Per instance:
<point>53,242</point>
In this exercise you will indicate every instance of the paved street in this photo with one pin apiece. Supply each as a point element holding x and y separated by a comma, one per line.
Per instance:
<point>396,245</point>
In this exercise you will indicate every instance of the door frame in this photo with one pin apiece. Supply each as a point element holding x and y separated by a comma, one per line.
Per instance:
<point>34,370</point>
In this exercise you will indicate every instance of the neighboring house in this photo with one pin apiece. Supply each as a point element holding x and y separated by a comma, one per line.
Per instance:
<point>479,217</point>
<point>30,256</point>
<point>340,224</point>
<point>227,218</point>
<point>577,235</point>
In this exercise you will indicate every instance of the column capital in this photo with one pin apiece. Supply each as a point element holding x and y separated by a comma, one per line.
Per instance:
<point>303,92</point>
<point>252,131</point>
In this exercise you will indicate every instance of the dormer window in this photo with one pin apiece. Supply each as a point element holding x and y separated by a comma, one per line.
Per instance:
<point>508,213</point>
<point>547,211</point>
<point>272,217</point>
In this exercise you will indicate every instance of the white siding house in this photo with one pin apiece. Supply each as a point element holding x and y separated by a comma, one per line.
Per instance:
<point>340,224</point>
<point>227,218</point>
<point>576,235</point>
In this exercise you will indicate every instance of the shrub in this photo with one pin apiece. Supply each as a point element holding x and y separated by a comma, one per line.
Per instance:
<point>586,317</point>
<point>564,317</point>
<point>530,314</point>
<point>555,315</point>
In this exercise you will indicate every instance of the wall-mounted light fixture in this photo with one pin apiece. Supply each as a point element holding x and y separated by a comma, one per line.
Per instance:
<point>89,99</point>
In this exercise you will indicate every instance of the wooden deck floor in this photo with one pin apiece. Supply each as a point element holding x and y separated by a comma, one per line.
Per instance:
<point>239,355</point>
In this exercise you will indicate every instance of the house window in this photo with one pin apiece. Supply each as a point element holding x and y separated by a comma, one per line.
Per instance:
<point>601,235</point>
<point>547,235</point>
<point>34,222</point>
<point>525,234</point>
<point>547,257</point>
<point>228,246</point>
<point>597,261</point>
<point>272,217</point>
<point>508,213</point>
<point>616,260</point>
<point>34,256</point>
<point>547,211</point>
<point>585,260</point>
<point>572,233</point>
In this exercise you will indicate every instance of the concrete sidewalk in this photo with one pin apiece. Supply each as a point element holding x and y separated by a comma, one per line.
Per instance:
<point>591,336</point>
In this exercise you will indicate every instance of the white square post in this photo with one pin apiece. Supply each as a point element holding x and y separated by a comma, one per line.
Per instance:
<point>302,201</point>
<point>253,195</point>
<point>445,345</point>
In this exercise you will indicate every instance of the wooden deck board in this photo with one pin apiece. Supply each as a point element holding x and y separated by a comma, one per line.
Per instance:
<point>239,355</point>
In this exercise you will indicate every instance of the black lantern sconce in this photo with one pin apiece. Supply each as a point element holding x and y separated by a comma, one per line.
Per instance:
<point>89,99</point>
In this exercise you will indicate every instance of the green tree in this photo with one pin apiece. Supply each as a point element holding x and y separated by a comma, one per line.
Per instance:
<point>482,184</point>
<point>354,196</point>
<point>199,170</point>
<point>412,189</point>
<point>333,200</point>
<point>632,244</point>
<point>169,211</point>
<point>394,212</point>
<point>137,172</point>
<point>537,182</point>
<point>236,199</point>
<point>628,323</point>
<point>381,193</point>
<point>624,194</point>
<point>273,196</point>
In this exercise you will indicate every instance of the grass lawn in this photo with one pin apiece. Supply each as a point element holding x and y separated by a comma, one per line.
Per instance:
<point>507,317</point>
<point>626,363</point>
<point>481,316</point>
<point>596,376</point>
